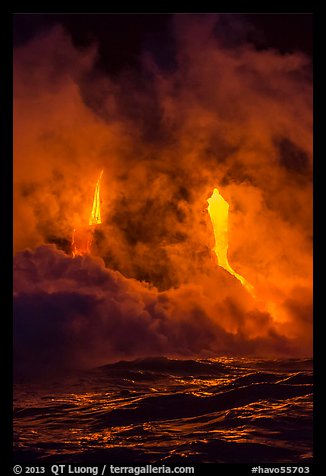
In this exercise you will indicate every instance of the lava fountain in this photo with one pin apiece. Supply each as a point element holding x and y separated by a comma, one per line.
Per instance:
<point>82,237</point>
<point>218,210</point>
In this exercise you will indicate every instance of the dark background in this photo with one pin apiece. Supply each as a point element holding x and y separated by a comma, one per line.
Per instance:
<point>122,37</point>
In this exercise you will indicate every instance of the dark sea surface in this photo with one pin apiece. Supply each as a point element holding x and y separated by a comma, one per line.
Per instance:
<point>165,411</point>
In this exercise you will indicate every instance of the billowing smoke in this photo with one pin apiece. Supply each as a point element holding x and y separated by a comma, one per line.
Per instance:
<point>223,115</point>
<point>75,313</point>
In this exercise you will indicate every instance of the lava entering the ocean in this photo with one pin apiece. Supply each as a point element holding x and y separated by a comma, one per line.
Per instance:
<point>95,216</point>
<point>82,237</point>
<point>218,210</point>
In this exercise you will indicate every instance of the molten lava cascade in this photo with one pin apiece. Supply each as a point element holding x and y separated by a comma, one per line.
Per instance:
<point>82,237</point>
<point>95,216</point>
<point>218,210</point>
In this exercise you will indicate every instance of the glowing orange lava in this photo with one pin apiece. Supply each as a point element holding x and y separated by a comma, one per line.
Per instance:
<point>218,210</point>
<point>95,216</point>
<point>82,237</point>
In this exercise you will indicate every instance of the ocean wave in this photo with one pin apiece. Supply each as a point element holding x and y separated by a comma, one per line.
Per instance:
<point>167,410</point>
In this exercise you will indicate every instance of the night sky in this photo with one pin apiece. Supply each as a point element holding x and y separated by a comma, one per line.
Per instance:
<point>122,38</point>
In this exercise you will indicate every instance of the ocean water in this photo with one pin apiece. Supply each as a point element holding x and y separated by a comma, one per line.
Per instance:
<point>165,411</point>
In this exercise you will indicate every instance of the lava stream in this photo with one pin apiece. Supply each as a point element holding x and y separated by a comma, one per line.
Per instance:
<point>218,210</point>
<point>82,237</point>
